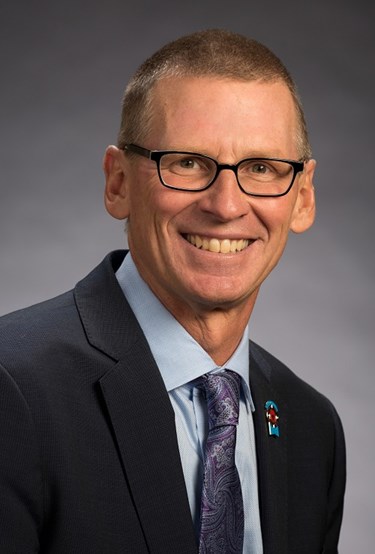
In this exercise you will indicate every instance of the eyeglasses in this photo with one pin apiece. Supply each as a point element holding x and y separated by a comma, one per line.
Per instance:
<point>188,171</point>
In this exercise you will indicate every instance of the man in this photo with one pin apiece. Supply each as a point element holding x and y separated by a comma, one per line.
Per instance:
<point>109,393</point>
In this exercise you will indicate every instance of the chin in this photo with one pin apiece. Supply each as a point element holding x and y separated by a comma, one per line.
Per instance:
<point>220,296</point>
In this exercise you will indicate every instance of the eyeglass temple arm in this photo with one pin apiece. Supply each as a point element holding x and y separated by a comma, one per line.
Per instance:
<point>138,150</point>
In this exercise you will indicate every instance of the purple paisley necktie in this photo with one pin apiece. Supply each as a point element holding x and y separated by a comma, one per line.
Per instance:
<point>222,515</point>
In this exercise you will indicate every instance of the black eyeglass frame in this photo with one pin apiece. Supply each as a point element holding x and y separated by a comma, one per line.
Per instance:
<point>156,156</point>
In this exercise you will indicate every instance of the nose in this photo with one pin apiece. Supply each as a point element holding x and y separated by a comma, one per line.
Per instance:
<point>224,199</point>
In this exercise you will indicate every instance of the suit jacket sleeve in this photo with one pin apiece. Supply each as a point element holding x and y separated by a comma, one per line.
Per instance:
<point>20,473</point>
<point>336,490</point>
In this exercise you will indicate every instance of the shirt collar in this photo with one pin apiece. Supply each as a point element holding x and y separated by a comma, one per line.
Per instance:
<point>178,355</point>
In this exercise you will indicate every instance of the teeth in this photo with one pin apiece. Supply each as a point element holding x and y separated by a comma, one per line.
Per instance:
<point>225,246</point>
<point>215,245</point>
<point>198,241</point>
<point>233,245</point>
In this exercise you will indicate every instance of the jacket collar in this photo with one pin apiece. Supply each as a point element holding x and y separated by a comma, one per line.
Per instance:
<point>271,455</point>
<point>104,311</point>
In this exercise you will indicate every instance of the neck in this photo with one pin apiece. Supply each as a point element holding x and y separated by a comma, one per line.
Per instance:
<point>217,331</point>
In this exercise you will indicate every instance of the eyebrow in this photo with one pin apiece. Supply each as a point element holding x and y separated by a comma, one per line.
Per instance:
<point>252,154</point>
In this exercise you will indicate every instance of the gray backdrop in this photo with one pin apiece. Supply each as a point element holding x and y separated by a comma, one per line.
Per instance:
<point>63,68</point>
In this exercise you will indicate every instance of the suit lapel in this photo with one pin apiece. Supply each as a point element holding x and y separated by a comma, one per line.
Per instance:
<point>143,422</point>
<point>140,412</point>
<point>271,457</point>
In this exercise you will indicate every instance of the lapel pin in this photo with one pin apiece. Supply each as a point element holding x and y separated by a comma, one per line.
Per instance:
<point>272,417</point>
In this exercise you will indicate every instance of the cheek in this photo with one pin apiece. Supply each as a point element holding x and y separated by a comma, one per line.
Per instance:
<point>154,209</point>
<point>275,214</point>
<point>142,199</point>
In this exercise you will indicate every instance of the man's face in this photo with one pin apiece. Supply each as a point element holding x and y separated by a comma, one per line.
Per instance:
<point>229,121</point>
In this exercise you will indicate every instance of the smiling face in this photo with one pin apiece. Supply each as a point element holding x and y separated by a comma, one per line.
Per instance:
<point>211,249</point>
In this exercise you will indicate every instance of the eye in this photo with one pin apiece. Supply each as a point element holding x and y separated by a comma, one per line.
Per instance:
<point>259,168</point>
<point>256,168</point>
<point>185,164</point>
<point>263,170</point>
<point>189,163</point>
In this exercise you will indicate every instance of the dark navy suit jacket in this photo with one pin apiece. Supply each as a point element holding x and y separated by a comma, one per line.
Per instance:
<point>89,461</point>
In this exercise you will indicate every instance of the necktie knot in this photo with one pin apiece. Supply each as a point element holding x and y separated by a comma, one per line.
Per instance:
<point>222,397</point>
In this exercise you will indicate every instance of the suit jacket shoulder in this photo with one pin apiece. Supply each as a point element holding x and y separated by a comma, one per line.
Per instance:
<point>90,458</point>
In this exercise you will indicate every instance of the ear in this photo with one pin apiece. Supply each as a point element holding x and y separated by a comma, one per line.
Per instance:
<point>116,194</point>
<point>304,208</point>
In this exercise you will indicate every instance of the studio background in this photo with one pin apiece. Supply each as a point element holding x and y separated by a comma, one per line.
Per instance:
<point>63,70</point>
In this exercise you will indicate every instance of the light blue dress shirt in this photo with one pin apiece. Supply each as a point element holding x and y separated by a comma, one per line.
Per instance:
<point>181,360</point>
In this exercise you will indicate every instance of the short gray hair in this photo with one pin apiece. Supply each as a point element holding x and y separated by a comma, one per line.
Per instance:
<point>211,53</point>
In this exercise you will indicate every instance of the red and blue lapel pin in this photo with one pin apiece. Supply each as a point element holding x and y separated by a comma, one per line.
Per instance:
<point>272,417</point>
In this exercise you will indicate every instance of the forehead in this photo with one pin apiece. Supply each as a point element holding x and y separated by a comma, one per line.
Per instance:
<point>210,113</point>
